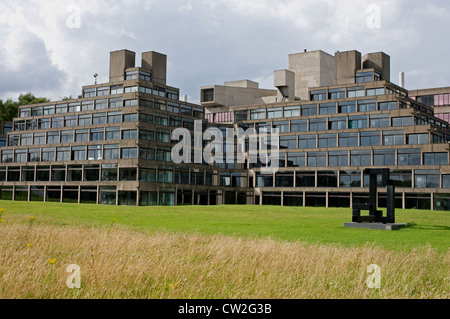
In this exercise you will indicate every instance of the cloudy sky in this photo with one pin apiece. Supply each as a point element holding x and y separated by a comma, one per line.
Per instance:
<point>53,47</point>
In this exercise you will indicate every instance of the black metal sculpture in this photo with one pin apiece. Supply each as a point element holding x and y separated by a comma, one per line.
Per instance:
<point>376,215</point>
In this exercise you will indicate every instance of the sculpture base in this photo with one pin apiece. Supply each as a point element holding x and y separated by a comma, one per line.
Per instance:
<point>377,226</point>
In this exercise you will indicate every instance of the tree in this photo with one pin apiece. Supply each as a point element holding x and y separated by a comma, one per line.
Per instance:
<point>9,109</point>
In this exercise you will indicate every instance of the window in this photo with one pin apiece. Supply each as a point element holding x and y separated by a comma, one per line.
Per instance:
<point>383,106</point>
<point>360,158</point>
<point>70,121</point>
<point>435,158</point>
<point>49,110</point>
<point>172,94</point>
<point>7,156</point>
<point>159,91</point>
<point>31,125</point>
<point>89,92</point>
<point>19,126</point>
<point>327,108</point>
<point>74,107</point>
<point>393,138</point>
<point>445,181</point>
<point>367,105</point>
<point>240,116</point>
<point>87,105</point>
<point>74,173</point>
<point>370,138</point>
<point>284,179</point>
<point>317,159</point>
<point>43,124</point>
<point>404,177</point>
<point>146,118</point>
<point>94,153</point>
<point>53,138</point>
<point>78,153</point>
<point>161,119</point>
<point>173,107</point>
<point>57,122</point>
<point>165,174</point>
<point>48,154</point>
<point>299,126</point>
<point>163,135</point>
<point>67,137</point>
<point>147,154</point>
<point>112,133</point>
<point>327,179</point>
<point>34,155</point>
<point>348,139</point>
<point>130,117</point>
<point>187,110</point>
<point>97,134</point>
<point>131,75</point>
<point>408,157</point>
<point>91,173</point>
<point>318,124</point>
<point>327,140</point>
<point>379,120</point>
<point>115,102</point>
<point>305,179</point>
<point>109,172</point>
<point>319,95</point>
<point>282,126</point>
<point>147,175</point>
<point>374,92</point>
<point>146,135</point>
<point>175,121</point>
<point>61,108</point>
<point>114,117</point>
<point>20,156</point>
<point>116,89</point>
<point>288,142</point>
<point>26,139</point>
<point>292,111</point>
<point>25,112</point>
<point>130,102</point>
<point>309,110</point>
<point>42,173</point>
<point>129,134</point>
<point>336,94</point>
<point>416,139</point>
<point>338,159</point>
<point>84,120</point>
<point>296,160</point>
<point>357,91</point>
<point>129,153</point>
<point>81,135</point>
<point>384,157</point>
<point>101,104</point>
<point>259,114</point>
<point>350,179</point>
<point>337,123</point>
<point>131,89</point>
<point>347,107</point>
<point>426,179</point>
<point>98,118</point>
<point>364,77</point>
<point>39,138</point>
<point>63,154</point>
<point>36,111</point>
<point>273,113</point>
<point>208,95</point>
<point>402,121</point>
<point>163,154</point>
<point>307,141</point>
<point>111,151</point>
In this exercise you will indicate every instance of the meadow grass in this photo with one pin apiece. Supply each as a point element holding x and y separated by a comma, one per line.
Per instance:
<point>217,252</point>
<point>311,224</point>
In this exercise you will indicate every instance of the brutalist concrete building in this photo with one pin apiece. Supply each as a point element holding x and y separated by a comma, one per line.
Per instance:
<point>336,114</point>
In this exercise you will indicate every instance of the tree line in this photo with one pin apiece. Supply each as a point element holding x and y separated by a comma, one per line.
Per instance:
<point>9,109</point>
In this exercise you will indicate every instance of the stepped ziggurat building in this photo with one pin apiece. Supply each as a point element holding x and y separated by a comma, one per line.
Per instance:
<point>336,116</point>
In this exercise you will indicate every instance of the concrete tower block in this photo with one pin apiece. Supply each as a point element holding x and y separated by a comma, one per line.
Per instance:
<point>118,62</point>
<point>379,61</point>
<point>157,64</point>
<point>346,65</point>
<point>284,80</point>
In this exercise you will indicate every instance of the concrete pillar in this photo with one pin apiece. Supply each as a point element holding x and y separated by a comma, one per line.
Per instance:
<point>119,61</point>
<point>157,64</point>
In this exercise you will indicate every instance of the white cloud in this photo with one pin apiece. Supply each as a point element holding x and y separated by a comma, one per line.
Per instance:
<point>210,42</point>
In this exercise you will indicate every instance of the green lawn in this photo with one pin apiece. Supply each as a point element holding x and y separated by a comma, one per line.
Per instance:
<point>313,225</point>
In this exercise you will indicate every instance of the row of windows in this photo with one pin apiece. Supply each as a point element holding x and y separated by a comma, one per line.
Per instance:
<point>74,120</point>
<point>74,107</point>
<point>349,179</point>
<point>104,173</point>
<point>400,157</point>
<point>375,138</point>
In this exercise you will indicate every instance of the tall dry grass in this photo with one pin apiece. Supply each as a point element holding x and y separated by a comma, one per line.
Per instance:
<point>124,264</point>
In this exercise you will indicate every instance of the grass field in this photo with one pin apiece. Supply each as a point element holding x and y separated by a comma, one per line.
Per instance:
<point>217,252</point>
